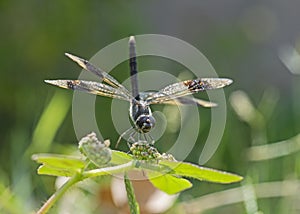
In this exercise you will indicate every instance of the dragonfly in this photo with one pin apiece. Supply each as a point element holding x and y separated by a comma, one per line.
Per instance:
<point>139,110</point>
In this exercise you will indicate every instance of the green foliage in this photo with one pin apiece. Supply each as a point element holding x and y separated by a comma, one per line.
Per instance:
<point>201,173</point>
<point>163,173</point>
<point>58,165</point>
<point>168,183</point>
<point>118,157</point>
<point>63,165</point>
<point>59,161</point>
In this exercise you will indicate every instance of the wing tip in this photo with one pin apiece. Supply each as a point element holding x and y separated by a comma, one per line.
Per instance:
<point>78,60</point>
<point>205,104</point>
<point>54,82</point>
<point>61,83</point>
<point>68,54</point>
<point>49,81</point>
<point>210,105</point>
<point>72,57</point>
<point>228,81</point>
<point>131,40</point>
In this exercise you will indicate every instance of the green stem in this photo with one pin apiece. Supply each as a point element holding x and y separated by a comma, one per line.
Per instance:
<point>108,170</point>
<point>79,177</point>
<point>133,204</point>
<point>57,195</point>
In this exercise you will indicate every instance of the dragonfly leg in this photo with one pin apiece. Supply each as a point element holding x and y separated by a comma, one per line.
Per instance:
<point>122,135</point>
<point>152,140</point>
<point>131,137</point>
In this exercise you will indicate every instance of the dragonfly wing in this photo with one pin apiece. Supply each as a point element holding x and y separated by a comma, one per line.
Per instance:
<point>91,87</point>
<point>85,64</point>
<point>181,100</point>
<point>191,101</point>
<point>187,87</point>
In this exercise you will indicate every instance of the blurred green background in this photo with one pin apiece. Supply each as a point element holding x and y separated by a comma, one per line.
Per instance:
<point>254,43</point>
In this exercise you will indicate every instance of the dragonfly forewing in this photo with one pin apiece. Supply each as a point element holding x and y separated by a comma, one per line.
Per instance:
<point>187,87</point>
<point>85,64</point>
<point>91,87</point>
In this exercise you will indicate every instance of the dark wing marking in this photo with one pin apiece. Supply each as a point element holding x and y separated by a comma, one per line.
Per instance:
<point>97,71</point>
<point>91,87</point>
<point>187,87</point>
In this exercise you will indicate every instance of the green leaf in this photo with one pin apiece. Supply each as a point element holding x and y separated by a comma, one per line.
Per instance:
<point>59,161</point>
<point>201,173</point>
<point>48,170</point>
<point>118,157</point>
<point>168,183</point>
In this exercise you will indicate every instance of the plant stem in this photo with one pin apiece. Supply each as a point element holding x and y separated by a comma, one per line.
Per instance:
<point>108,170</point>
<point>59,193</point>
<point>133,204</point>
<point>79,177</point>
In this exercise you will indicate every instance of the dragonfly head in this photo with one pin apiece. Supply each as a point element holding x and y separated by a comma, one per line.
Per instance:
<point>145,123</point>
